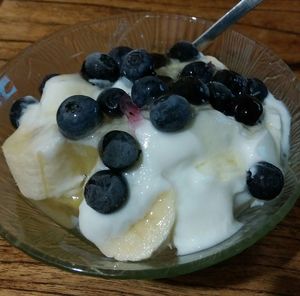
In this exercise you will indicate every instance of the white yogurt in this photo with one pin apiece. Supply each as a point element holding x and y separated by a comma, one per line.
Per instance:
<point>205,164</point>
<point>205,172</point>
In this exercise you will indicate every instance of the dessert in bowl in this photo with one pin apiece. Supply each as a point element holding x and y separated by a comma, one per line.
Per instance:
<point>249,223</point>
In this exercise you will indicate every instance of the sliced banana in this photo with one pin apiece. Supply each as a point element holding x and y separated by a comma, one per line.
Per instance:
<point>59,88</point>
<point>146,236</point>
<point>63,210</point>
<point>45,164</point>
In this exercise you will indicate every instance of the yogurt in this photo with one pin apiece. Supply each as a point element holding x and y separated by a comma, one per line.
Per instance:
<point>204,165</point>
<point>206,173</point>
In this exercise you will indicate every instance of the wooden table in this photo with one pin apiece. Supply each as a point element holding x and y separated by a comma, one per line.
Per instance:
<point>271,267</point>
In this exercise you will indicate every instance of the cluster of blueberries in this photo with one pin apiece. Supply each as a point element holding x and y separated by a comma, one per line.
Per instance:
<point>169,105</point>
<point>107,190</point>
<point>169,102</point>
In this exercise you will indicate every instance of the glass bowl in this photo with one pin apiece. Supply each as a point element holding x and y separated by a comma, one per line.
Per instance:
<point>29,229</point>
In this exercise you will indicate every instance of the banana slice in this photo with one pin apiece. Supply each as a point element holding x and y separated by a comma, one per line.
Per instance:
<point>146,236</point>
<point>59,88</point>
<point>45,164</point>
<point>63,210</point>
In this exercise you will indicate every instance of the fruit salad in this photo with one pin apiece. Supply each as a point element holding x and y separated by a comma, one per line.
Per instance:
<point>143,151</point>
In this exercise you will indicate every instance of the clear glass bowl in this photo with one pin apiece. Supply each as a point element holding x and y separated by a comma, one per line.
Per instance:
<point>36,234</point>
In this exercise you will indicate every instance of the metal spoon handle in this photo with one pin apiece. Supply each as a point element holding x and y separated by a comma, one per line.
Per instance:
<point>234,14</point>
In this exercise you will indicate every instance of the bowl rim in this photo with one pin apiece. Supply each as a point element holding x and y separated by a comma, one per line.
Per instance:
<point>164,272</point>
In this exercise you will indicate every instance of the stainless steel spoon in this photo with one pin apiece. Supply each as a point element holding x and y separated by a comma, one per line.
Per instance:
<point>233,15</point>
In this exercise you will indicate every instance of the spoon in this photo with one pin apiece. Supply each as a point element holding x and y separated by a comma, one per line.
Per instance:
<point>233,15</point>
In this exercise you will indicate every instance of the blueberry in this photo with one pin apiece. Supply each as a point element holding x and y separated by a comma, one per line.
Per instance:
<point>221,98</point>
<point>99,66</point>
<point>45,79</point>
<point>170,113</point>
<point>256,88</point>
<point>191,88</point>
<point>159,60</point>
<point>110,100</point>
<point>78,116</point>
<point>183,51</point>
<point>264,180</point>
<point>248,110</point>
<point>146,89</point>
<point>119,150</point>
<point>119,53</point>
<point>234,81</point>
<point>137,63</point>
<point>106,192</point>
<point>18,107</point>
<point>204,71</point>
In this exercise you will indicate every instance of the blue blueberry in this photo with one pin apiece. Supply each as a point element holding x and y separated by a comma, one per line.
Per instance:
<point>119,53</point>
<point>45,79</point>
<point>146,89</point>
<point>137,63</point>
<point>256,88</point>
<point>99,66</point>
<point>204,71</point>
<point>110,101</point>
<point>18,107</point>
<point>170,113</point>
<point>159,60</point>
<point>119,150</point>
<point>191,88</point>
<point>264,180</point>
<point>78,116</point>
<point>234,81</point>
<point>221,98</point>
<point>183,51</point>
<point>248,110</point>
<point>106,192</point>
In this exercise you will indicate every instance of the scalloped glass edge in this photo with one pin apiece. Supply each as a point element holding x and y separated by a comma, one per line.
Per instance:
<point>165,272</point>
